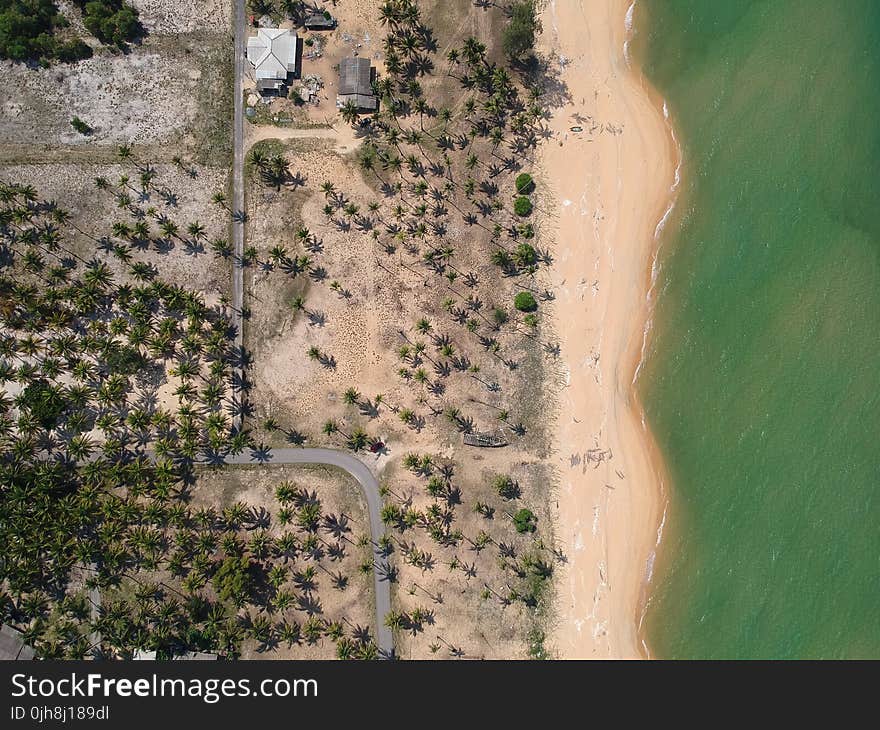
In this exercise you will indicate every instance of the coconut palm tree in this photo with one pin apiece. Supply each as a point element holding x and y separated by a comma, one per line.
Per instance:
<point>349,112</point>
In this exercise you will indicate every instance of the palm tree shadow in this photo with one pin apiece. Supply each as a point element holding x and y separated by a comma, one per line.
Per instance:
<point>261,454</point>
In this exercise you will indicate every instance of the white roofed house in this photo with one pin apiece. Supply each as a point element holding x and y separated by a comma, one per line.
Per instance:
<point>273,54</point>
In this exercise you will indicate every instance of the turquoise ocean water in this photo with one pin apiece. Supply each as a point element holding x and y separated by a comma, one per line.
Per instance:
<point>762,380</point>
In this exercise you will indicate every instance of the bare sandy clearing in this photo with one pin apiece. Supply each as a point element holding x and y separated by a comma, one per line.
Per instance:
<point>184,16</point>
<point>161,92</point>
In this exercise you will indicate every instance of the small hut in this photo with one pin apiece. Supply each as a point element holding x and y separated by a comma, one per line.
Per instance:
<point>320,21</point>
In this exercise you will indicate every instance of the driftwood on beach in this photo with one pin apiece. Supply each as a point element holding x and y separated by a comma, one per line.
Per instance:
<point>597,456</point>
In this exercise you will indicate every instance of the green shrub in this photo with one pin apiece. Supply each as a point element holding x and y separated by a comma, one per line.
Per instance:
<point>524,183</point>
<point>525,302</point>
<point>125,360</point>
<point>233,579</point>
<point>80,126</point>
<point>526,230</point>
<point>525,521</point>
<point>72,51</point>
<point>522,206</point>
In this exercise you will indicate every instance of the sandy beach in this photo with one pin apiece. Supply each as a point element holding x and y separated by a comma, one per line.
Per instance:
<point>612,183</point>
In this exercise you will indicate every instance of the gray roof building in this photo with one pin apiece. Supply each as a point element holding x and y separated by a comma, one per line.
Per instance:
<point>12,645</point>
<point>356,84</point>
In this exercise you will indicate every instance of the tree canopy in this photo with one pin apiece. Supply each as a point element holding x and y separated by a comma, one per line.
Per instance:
<point>522,206</point>
<point>525,302</point>
<point>519,35</point>
<point>27,30</point>
<point>111,21</point>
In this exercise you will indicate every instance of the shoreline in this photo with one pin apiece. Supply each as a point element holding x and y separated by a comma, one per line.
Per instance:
<point>621,175</point>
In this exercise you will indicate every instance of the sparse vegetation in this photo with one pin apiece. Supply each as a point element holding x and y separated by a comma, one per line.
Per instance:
<point>414,267</point>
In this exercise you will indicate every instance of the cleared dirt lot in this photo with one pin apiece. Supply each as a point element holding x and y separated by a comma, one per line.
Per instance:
<point>172,92</point>
<point>184,16</point>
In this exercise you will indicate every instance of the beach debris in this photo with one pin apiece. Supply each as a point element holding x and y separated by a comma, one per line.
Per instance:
<point>311,85</point>
<point>576,129</point>
<point>597,456</point>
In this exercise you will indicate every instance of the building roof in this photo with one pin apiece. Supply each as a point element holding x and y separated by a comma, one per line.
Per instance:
<point>196,656</point>
<point>272,52</point>
<point>319,21</point>
<point>266,84</point>
<point>355,77</point>
<point>12,644</point>
<point>361,101</point>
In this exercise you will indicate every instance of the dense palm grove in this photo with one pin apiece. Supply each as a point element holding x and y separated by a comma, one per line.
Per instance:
<point>103,553</point>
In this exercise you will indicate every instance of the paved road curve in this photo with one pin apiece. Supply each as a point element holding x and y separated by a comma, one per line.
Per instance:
<point>370,487</point>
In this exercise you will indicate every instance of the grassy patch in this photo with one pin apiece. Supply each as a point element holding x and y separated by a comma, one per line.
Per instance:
<point>213,127</point>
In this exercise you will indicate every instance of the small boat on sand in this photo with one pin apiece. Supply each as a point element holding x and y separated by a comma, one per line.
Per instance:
<point>491,440</point>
